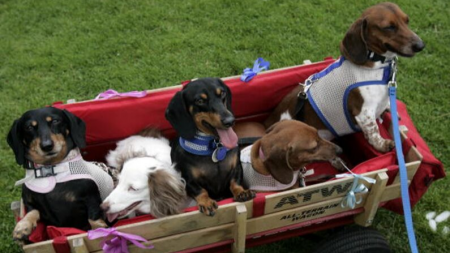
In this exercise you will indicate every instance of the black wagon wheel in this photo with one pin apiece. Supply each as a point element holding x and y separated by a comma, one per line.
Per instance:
<point>355,239</point>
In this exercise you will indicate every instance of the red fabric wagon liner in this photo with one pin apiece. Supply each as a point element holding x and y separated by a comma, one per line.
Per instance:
<point>109,121</point>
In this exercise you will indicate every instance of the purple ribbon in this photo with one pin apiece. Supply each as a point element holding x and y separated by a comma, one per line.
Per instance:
<point>118,242</point>
<point>259,65</point>
<point>112,93</point>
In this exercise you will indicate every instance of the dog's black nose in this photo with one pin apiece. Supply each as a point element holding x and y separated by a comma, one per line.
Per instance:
<point>46,145</point>
<point>418,46</point>
<point>228,121</point>
<point>105,206</point>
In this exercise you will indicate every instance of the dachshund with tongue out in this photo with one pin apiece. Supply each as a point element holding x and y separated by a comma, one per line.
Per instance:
<point>206,152</point>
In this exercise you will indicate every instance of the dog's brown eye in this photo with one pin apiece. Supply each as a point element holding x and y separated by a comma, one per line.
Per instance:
<point>390,28</point>
<point>313,150</point>
<point>199,102</point>
<point>29,128</point>
<point>55,121</point>
<point>223,96</point>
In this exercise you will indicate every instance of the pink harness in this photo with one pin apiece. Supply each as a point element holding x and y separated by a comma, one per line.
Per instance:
<point>73,167</point>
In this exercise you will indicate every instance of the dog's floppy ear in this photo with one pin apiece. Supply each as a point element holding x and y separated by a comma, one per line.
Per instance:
<point>353,46</point>
<point>276,164</point>
<point>227,89</point>
<point>179,117</point>
<point>16,144</point>
<point>77,129</point>
<point>167,192</point>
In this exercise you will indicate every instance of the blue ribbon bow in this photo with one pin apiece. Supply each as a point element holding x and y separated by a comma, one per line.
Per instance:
<point>259,65</point>
<point>350,199</point>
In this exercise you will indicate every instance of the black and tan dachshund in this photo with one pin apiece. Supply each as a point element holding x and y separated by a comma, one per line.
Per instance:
<point>206,152</point>
<point>42,140</point>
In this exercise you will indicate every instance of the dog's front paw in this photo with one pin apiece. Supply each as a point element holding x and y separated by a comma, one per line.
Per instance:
<point>245,195</point>
<point>207,206</point>
<point>385,145</point>
<point>22,230</point>
<point>100,223</point>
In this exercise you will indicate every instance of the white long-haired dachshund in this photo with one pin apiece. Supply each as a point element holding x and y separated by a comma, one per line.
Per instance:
<point>148,183</point>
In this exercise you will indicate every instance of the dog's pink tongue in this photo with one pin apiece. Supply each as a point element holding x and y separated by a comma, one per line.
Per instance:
<point>228,138</point>
<point>112,216</point>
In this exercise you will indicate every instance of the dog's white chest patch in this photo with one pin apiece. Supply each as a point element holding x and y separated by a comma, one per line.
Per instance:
<point>376,98</point>
<point>285,116</point>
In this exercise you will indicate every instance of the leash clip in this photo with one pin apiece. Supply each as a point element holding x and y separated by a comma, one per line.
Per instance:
<point>302,174</point>
<point>393,80</point>
<point>302,94</point>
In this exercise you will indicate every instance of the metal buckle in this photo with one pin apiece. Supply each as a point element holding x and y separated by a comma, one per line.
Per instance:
<point>302,173</point>
<point>393,80</point>
<point>302,94</point>
<point>44,171</point>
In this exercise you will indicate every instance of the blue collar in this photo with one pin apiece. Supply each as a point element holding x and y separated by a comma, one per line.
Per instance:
<point>204,145</point>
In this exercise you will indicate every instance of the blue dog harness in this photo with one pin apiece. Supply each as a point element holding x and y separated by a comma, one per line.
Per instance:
<point>329,89</point>
<point>204,145</point>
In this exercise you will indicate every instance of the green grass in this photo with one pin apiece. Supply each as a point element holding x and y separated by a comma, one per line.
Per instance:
<point>56,50</point>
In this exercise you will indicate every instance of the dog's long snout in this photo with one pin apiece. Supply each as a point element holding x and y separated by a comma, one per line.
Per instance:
<point>46,144</point>
<point>228,121</point>
<point>338,149</point>
<point>418,46</point>
<point>105,206</point>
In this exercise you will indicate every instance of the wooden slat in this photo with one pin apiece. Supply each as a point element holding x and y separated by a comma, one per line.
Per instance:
<point>297,215</point>
<point>413,159</point>
<point>413,155</point>
<point>411,169</point>
<point>312,194</point>
<point>175,224</point>
<point>78,246</point>
<point>188,240</point>
<point>392,192</point>
<point>240,229</point>
<point>403,132</point>
<point>373,200</point>
<point>40,247</point>
<point>15,208</point>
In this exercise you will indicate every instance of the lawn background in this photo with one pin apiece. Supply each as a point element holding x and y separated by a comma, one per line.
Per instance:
<point>57,50</point>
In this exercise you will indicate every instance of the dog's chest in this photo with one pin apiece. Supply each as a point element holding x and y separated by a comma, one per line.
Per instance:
<point>220,169</point>
<point>375,99</point>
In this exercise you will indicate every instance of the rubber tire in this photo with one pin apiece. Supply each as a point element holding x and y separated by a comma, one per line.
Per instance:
<point>356,239</point>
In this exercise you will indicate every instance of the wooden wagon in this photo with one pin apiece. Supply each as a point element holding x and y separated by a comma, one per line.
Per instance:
<point>270,216</point>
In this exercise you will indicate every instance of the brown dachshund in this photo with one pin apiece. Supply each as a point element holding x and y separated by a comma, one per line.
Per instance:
<point>273,162</point>
<point>351,93</point>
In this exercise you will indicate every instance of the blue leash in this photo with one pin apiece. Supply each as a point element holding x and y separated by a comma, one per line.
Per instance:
<point>401,162</point>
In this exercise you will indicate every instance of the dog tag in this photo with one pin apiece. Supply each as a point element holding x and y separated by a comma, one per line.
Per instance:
<point>219,154</point>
